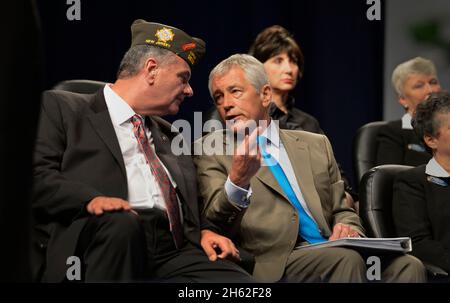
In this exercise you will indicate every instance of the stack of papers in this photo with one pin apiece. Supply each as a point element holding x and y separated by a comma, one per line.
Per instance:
<point>400,245</point>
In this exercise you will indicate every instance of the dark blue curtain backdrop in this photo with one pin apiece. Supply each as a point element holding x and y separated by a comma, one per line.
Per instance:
<point>342,85</point>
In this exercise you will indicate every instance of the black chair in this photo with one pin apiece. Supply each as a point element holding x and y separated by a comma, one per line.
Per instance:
<point>80,86</point>
<point>375,207</point>
<point>365,148</point>
<point>40,238</point>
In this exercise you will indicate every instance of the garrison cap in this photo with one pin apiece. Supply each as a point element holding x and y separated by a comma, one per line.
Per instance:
<point>190,49</point>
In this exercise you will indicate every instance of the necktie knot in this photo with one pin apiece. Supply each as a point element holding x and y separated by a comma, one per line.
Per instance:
<point>136,120</point>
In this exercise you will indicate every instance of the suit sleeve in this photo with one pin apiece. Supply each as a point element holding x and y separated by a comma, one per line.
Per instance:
<point>341,213</point>
<point>390,149</point>
<point>411,219</point>
<point>212,175</point>
<point>54,196</point>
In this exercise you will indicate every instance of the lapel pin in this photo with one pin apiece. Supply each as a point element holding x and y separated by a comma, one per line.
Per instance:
<point>437,181</point>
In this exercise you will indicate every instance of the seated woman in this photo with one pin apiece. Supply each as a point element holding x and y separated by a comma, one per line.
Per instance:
<point>421,205</point>
<point>283,61</point>
<point>413,81</point>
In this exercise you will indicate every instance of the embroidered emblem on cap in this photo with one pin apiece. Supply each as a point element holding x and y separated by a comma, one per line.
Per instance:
<point>192,57</point>
<point>188,46</point>
<point>165,34</point>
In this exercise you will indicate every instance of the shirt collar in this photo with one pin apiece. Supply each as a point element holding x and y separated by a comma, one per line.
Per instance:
<point>119,110</point>
<point>406,121</point>
<point>272,133</point>
<point>434,169</point>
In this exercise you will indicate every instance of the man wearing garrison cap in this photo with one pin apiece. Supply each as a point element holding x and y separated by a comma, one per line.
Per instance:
<point>107,188</point>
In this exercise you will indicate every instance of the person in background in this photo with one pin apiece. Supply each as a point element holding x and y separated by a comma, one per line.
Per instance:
<point>413,81</point>
<point>284,63</point>
<point>421,203</point>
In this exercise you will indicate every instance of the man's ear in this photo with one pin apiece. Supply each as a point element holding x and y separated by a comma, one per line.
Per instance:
<point>150,70</point>
<point>266,95</point>
<point>430,141</point>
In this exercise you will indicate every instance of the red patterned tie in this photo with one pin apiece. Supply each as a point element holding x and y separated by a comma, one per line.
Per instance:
<point>168,191</point>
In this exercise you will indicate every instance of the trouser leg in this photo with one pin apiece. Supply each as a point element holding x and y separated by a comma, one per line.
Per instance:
<point>112,248</point>
<point>331,264</point>
<point>403,269</point>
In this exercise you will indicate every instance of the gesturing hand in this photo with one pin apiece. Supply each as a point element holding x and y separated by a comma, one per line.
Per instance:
<point>246,160</point>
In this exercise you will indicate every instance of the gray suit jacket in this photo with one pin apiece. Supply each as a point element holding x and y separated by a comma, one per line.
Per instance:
<point>269,227</point>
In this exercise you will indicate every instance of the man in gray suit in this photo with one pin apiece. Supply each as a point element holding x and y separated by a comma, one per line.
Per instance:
<point>295,198</point>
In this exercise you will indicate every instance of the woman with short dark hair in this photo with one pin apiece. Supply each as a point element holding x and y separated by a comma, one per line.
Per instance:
<point>283,61</point>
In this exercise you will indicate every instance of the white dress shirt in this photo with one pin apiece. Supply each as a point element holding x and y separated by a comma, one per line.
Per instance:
<point>434,169</point>
<point>406,121</point>
<point>143,189</point>
<point>277,150</point>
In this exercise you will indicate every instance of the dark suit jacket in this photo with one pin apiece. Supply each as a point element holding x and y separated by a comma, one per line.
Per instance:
<point>421,210</point>
<point>78,157</point>
<point>399,146</point>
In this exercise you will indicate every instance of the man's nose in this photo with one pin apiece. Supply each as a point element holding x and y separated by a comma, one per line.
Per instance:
<point>188,91</point>
<point>228,102</point>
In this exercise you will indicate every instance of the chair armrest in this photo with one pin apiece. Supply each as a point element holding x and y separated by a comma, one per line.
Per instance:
<point>247,261</point>
<point>435,271</point>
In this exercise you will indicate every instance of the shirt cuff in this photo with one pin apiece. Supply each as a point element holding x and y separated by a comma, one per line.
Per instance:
<point>237,195</point>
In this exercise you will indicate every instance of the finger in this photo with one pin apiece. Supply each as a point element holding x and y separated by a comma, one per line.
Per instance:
<point>336,232</point>
<point>236,254</point>
<point>107,207</point>
<point>210,252</point>
<point>345,231</point>
<point>126,205</point>
<point>225,249</point>
<point>98,211</point>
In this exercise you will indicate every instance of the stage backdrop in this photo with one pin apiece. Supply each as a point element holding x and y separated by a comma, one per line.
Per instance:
<point>415,28</point>
<point>342,84</point>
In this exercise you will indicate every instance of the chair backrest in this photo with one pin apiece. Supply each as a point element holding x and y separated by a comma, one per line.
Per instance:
<point>365,148</point>
<point>375,200</point>
<point>80,86</point>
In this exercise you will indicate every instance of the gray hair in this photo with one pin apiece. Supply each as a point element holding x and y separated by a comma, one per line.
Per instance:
<point>416,65</point>
<point>253,69</point>
<point>134,59</point>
